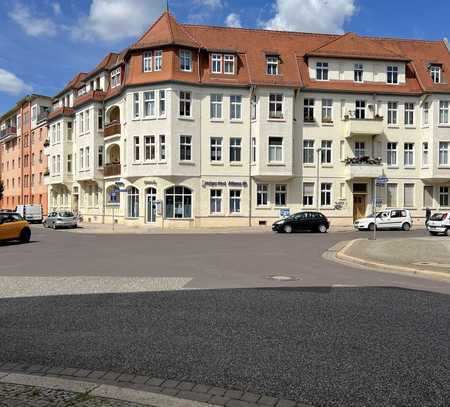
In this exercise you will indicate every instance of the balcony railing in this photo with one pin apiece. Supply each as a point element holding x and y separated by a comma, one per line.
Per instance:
<point>364,126</point>
<point>95,95</point>
<point>111,169</point>
<point>364,160</point>
<point>8,132</point>
<point>61,111</point>
<point>112,128</point>
<point>363,167</point>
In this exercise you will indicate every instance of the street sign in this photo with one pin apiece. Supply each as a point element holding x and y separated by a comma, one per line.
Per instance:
<point>381,181</point>
<point>285,212</point>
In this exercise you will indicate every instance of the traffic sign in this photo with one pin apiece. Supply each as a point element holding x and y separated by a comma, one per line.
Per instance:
<point>381,181</point>
<point>285,212</point>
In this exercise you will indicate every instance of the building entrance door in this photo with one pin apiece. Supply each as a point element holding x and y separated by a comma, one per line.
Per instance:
<point>359,206</point>
<point>151,205</point>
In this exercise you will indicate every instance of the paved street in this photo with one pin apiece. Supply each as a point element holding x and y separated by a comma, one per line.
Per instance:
<point>334,336</point>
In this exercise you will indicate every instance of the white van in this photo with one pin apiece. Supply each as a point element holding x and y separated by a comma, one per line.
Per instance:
<point>31,213</point>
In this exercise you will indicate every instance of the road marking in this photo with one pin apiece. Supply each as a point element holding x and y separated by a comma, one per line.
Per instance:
<point>16,287</point>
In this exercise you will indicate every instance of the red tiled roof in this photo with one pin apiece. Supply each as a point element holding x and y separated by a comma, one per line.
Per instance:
<point>166,31</point>
<point>351,45</point>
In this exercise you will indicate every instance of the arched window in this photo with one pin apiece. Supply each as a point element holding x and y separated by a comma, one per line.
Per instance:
<point>178,202</point>
<point>133,202</point>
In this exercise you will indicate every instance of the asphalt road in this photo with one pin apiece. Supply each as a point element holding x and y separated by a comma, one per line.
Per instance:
<point>384,341</point>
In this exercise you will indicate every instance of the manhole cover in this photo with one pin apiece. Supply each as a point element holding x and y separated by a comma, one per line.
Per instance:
<point>281,278</point>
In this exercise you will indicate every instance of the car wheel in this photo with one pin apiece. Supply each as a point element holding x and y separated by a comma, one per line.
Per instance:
<point>446,232</point>
<point>432,233</point>
<point>406,227</point>
<point>371,227</point>
<point>25,235</point>
<point>322,229</point>
<point>287,229</point>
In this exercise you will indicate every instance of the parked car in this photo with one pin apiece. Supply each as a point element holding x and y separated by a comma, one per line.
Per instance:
<point>302,221</point>
<point>390,218</point>
<point>439,223</point>
<point>14,227</point>
<point>62,219</point>
<point>31,213</point>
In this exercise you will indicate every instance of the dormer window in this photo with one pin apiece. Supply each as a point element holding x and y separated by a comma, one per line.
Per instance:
<point>358,72</point>
<point>115,78</point>
<point>186,60</point>
<point>392,75</point>
<point>322,71</point>
<point>216,61</point>
<point>435,73</point>
<point>228,64</point>
<point>152,61</point>
<point>272,62</point>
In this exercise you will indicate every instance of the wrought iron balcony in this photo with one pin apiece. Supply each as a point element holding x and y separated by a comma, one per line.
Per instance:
<point>112,169</point>
<point>112,129</point>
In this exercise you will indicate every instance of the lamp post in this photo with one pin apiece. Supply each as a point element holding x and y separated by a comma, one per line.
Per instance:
<point>319,150</point>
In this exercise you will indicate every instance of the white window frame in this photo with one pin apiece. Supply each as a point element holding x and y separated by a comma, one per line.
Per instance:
<point>275,113</point>
<point>392,152</point>
<point>147,61</point>
<point>322,71</point>
<point>425,114</point>
<point>149,104</point>
<point>443,111</point>
<point>358,73</point>
<point>425,154</point>
<point>229,61</point>
<point>444,196</point>
<point>235,149</point>
<point>435,73</point>
<point>216,63</point>
<point>216,106</point>
<point>215,201</point>
<point>162,106</point>
<point>162,147</point>
<point>308,110</point>
<point>409,114</point>
<point>408,154</point>
<point>235,201</point>
<point>185,104</point>
<point>326,152</point>
<point>444,147</point>
<point>326,189</point>
<point>275,150</point>
<point>392,113</point>
<point>235,107</point>
<point>157,60</point>
<point>392,73</point>
<point>308,199</point>
<point>360,109</point>
<point>327,110</point>
<point>136,148</point>
<point>149,148</point>
<point>272,64</point>
<point>262,195</point>
<point>136,105</point>
<point>280,194</point>
<point>360,149</point>
<point>216,150</point>
<point>186,60</point>
<point>185,148</point>
<point>115,77</point>
<point>308,152</point>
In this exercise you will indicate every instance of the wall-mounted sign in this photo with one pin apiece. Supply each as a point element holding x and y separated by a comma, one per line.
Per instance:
<point>234,184</point>
<point>285,212</point>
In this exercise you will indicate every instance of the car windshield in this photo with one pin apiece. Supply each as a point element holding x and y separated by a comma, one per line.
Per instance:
<point>65,214</point>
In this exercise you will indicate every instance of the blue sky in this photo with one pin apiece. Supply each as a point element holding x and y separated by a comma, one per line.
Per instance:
<point>44,43</point>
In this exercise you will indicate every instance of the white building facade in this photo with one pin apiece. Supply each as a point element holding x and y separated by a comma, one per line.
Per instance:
<point>167,135</point>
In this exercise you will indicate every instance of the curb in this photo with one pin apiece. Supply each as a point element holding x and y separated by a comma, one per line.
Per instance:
<point>339,254</point>
<point>140,389</point>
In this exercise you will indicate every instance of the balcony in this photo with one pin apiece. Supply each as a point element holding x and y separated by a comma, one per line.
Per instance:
<point>8,134</point>
<point>61,111</point>
<point>112,129</point>
<point>364,167</point>
<point>363,127</point>
<point>93,95</point>
<point>112,170</point>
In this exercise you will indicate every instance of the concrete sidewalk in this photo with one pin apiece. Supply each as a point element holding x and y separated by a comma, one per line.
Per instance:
<point>424,256</point>
<point>99,228</point>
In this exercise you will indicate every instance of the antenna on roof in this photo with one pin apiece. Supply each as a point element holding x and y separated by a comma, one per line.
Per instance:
<point>167,6</point>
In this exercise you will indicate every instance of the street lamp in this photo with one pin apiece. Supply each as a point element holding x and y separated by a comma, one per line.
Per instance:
<point>319,150</point>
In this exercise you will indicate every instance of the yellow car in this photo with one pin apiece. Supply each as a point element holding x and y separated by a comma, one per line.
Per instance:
<point>14,227</point>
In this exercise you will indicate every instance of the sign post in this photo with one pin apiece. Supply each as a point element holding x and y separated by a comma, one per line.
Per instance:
<point>380,181</point>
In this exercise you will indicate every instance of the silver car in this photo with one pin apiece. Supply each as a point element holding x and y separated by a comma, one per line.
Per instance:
<point>63,219</point>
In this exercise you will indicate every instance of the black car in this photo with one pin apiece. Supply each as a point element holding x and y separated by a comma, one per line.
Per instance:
<point>302,221</point>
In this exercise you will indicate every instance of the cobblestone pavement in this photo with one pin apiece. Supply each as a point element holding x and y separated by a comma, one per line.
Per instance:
<point>15,395</point>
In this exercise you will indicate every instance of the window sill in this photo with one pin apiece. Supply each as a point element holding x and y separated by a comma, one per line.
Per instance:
<point>217,215</point>
<point>309,165</point>
<point>264,207</point>
<point>149,118</point>
<point>327,165</point>
<point>443,167</point>
<point>410,126</point>
<point>217,163</point>
<point>236,121</point>
<point>276,164</point>
<point>112,204</point>
<point>393,167</point>
<point>410,167</point>
<point>443,125</point>
<point>393,126</point>
<point>186,162</point>
<point>327,124</point>
<point>217,120</point>
<point>236,164</point>
<point>162,117</point>
<point>274,119</point>
<point>186,118</point>
<point>150,162</point>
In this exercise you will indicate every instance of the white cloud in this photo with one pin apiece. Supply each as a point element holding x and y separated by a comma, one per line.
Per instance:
<point>113,20</point>
<point>31,23</point>
<point>325,16</point>
<point>56,8</point>
<point>233,20</point>
<point>10,83</point>
<point>210,3</point>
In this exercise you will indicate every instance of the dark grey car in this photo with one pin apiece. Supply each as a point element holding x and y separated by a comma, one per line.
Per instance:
<point>62,219</point>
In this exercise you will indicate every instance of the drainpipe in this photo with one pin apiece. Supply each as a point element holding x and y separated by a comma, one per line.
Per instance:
<point>250,189</point>
<point>104,160</point>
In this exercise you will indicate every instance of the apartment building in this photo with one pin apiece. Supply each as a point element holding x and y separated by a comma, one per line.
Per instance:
<point>23,132</point>
<point>209,126</point>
